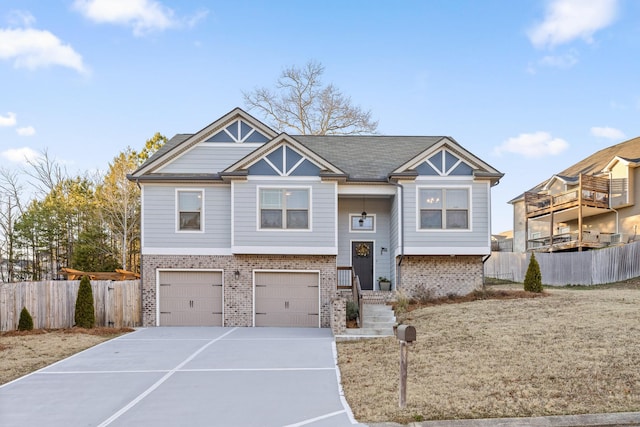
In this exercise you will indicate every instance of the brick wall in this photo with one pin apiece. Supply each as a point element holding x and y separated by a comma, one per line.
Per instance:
<point>441,275</point>
<point>238,293</point>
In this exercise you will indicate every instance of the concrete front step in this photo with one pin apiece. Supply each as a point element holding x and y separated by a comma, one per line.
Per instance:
<point>377,321</point>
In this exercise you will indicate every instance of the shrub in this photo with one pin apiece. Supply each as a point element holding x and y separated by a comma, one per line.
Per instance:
<point>85,315</point>
<point>401,306</point>
<point>422,295</point>
<point>352,310</point>
<point>533,278</point>
<point>26,321</point>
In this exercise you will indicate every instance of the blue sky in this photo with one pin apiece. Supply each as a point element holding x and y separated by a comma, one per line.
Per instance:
<point>529,86</point>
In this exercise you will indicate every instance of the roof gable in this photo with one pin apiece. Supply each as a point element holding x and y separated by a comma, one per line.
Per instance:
<point>283,156</point>
<point>235,127</point>
<point>447,158</point>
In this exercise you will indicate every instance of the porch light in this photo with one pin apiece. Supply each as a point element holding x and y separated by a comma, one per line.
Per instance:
<point>236,274</point>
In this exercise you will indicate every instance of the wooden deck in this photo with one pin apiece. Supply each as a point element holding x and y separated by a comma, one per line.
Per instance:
<point>591,192</point>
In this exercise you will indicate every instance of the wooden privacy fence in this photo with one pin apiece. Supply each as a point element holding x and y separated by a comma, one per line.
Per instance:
<point>52,303</point>
<point>593,267</point>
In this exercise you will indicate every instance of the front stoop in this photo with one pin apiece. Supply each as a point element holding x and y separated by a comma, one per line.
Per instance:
<point>377,321</point>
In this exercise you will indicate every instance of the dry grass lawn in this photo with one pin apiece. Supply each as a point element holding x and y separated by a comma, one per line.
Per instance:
<point>573,352</point>
<point>25,352</point>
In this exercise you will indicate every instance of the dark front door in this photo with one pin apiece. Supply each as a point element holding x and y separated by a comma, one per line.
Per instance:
<point>362,262</point>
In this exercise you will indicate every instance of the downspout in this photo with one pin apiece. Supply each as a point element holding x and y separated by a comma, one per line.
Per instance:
<point>401,233</point>
<point>485,259</point>
<point>141,269</point>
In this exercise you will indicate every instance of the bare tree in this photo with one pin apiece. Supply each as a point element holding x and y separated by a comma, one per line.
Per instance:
<point>10,209</point>
<point>46,172</point>
<point>301,104</point>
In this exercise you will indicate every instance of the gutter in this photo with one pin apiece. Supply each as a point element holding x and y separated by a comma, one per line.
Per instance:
<point>401,233</point>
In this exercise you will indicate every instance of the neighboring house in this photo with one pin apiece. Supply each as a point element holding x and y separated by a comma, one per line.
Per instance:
<point>242,226</point>
<point>502,242</point>
<point>589,205</point>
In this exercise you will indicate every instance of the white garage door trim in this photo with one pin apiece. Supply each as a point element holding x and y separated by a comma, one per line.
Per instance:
<point>161,270</point>
<point>317,272</point>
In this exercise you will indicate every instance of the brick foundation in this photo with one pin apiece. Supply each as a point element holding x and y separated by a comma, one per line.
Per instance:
<point>441,276</point>
<point>238,293</point>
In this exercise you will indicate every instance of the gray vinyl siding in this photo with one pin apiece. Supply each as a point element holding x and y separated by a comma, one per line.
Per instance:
<point>478,237</point>
<point>159,218</point>
<point>208,159</point>
<point>323,213</point>
<point>381,208</point>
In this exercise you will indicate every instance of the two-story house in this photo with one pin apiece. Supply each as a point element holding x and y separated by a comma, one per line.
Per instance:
<point>242,226</point>
<point>589,205</point>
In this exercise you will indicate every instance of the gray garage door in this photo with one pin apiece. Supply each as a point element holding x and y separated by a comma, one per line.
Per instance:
<point>287,299</point>
<point>190,298</point>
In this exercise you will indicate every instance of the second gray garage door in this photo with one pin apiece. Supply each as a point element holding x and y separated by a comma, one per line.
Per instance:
<point>287,299</point>
<point>190,298</point>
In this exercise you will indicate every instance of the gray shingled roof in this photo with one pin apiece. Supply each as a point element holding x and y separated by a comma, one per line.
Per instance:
<point>367,157</point>
<point>595,163</point>
<point>168,146</point>
<point>628,150</point>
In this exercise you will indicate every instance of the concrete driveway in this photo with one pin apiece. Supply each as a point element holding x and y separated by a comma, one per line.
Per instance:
<point>187,377</point>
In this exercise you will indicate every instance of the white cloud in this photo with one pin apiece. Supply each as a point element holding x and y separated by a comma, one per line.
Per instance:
<point>21,155</point>
<point>8,120</point>
<point>143,15</point>
<point>534,145</point>
<point>607,132</point>
<point>26,131</point>
<point>30,48</point>
<point>567,20</point>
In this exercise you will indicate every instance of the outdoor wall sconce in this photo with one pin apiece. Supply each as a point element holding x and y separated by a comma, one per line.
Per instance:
<point>236,274</point>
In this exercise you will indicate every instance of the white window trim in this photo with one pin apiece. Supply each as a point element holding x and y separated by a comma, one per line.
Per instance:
<point>177,210</point>
<point>284,187</point>
<point>469,189</point>
<point>352,215</point>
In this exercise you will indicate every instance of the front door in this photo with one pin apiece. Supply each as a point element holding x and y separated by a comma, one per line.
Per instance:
<point>362,262</point>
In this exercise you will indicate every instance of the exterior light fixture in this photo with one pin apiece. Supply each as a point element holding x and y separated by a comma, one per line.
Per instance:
<point>236,274</point>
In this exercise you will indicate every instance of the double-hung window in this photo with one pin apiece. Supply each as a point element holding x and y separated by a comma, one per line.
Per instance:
<point>444,208</point>
<point>190,209</point>
<point>284,208</point>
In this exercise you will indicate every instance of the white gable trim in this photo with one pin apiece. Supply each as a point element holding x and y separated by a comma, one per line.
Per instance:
<point>203,134</point>
<point>451,146</point>
<point>283,140</point>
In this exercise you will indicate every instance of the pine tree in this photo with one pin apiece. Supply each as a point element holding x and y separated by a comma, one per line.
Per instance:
<point>85,314</point>
<point>533,278</point>
<point>26,321</point>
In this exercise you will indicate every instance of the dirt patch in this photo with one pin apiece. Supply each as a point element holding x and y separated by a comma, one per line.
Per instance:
<point>568,353</point>
<point>22,352</point>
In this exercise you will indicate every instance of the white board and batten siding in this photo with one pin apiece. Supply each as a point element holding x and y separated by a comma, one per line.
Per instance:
<point>319,239</point>
<point>475,241</point>
<point>190,298</point>
<point>286,298</point>
<point>159,219</point>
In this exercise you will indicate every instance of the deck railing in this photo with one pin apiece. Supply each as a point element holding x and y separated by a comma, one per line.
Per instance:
<point>592,191</point>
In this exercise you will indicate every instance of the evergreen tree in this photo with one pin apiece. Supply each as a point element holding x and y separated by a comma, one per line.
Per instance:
<point>26,321</point>
<point>85,314</point>
<point>533,278</point>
